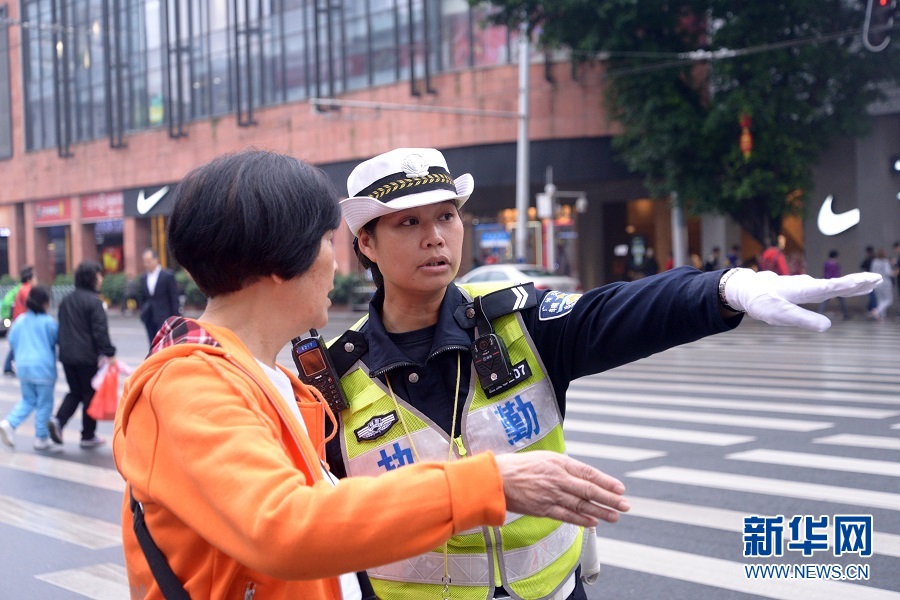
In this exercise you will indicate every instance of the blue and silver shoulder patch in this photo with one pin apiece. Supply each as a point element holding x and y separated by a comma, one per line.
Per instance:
<point>556,305</point>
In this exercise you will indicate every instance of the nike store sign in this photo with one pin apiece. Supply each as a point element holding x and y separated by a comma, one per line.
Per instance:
<point>148,201</point>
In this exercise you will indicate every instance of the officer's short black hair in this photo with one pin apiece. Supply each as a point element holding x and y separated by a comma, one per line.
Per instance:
<point>38,299</point>
<point>248,215</point>
<point>364,260</point>
<point>86,275</point>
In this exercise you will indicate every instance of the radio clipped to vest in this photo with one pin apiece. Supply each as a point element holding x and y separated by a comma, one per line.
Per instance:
<point>314,367</point>
<point>489,355</point>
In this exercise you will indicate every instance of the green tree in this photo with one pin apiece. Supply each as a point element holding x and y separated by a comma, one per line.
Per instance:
<point>680,75</point>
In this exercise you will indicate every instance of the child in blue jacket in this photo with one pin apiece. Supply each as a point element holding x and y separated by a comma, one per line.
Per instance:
<point>33,338</point>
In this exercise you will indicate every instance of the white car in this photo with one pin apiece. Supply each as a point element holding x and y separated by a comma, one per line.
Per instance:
<point>522,273</point>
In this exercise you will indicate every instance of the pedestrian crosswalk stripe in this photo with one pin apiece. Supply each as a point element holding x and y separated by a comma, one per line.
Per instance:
<point>605,451</point>
<point>685,436</point>
<point>770,486</point>
<point>763,369</point>
<point>67,470</point>
<point>820,461</point>
<point>883,544</point>
<point>858,384</point>
<point>698,417</point>
<point>701,388</point>
<point>104,581</point>
<point>59,524</point>
<point>825,410</point>
<point>724,574</point>
<point>860,441</point>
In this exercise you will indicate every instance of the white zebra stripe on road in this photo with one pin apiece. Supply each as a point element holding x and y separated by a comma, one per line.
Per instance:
<point>725,574</point>
<point>607,452</point>
<point>772,487</point>
<point>747,421</point>
<point>63,525</point>
<point>685,436</point>
<point>105,581</point>
<point>700,388</point>
<point>819,461</point>
<point>108,479</point>
<point>826,410</point>
<point>883,544</point>
<point>860,441</point>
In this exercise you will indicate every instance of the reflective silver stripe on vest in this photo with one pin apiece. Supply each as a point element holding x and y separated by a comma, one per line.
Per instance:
<point>514,422</point>
<point>466,569</point>
<point>430,445</point>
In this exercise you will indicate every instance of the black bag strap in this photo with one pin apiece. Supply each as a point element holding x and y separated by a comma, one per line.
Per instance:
<point>168,582</point>
<point>166,579</point>
<point>365,586</point>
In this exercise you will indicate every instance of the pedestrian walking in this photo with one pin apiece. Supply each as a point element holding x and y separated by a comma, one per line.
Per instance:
<point>18,308</point>
<point>83,340</point>
<point>866,266</point>
<point>734,256</point>
<point>713,260</point>
<point>158,294</point>
<point>772,258</point>
<point>884,293</point>
<point>34,337</point>
<point>831,269</point>
<point>440,371</point>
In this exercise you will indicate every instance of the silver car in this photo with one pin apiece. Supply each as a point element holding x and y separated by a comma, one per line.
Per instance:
<point>522,273</point>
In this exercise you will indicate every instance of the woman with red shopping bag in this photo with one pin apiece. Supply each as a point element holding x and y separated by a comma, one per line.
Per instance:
<point>106,390</point>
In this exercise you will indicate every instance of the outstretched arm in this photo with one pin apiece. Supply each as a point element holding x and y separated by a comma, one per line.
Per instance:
<point>774,298</point>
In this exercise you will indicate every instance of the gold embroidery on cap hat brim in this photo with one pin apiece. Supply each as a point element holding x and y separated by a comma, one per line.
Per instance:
<point>400,184</point>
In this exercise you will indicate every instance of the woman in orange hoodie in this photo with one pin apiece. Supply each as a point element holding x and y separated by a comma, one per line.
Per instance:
<point>222,448</point>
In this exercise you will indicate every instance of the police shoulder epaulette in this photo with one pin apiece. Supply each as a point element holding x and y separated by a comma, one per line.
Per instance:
<point>509,300</point>
<point>346,350</point>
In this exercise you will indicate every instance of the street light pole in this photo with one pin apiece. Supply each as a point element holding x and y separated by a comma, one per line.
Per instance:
<point>679,233</point>
<point>522,147</point>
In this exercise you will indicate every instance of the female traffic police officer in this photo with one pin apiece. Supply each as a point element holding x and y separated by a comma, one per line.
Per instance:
<point>439,371</point>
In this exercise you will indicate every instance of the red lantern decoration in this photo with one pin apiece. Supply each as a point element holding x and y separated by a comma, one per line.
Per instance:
<point>746,138</point>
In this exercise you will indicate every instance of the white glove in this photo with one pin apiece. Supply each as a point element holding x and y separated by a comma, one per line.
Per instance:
<point>774,298</point>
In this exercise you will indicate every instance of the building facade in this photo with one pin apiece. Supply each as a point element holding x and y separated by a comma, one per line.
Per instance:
<point>106,104</point>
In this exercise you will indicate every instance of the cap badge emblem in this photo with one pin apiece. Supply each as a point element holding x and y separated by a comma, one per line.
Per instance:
<point>414,166</point>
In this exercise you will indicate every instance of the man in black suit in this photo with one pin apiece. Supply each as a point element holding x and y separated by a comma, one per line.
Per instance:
<point>159,294</point>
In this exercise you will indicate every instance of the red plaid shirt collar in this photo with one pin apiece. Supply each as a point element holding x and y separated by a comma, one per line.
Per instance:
<point>178,330</point>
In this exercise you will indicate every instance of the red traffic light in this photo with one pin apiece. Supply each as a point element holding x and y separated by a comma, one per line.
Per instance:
<point>878,23</point>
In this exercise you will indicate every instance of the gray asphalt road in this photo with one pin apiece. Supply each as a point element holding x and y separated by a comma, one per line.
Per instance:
<point>759,422</point>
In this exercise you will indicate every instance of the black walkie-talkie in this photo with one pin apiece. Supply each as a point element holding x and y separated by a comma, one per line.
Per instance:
<point>315,368</point>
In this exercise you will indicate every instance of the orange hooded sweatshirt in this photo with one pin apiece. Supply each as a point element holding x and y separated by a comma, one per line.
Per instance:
<point>233,490</point>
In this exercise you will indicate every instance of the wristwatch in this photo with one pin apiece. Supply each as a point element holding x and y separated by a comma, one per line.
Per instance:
<point>722,300</point>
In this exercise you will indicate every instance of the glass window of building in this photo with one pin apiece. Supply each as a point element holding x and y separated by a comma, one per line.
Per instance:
<point>94,68</point>
<point>6,145</point>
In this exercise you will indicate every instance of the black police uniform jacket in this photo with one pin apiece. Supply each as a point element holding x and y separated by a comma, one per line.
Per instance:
<point>575,335</point>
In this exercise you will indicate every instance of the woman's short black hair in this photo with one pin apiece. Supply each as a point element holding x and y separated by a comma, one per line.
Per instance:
<point>248,215</point>
<point>86,275</point>
<point>38,299</point>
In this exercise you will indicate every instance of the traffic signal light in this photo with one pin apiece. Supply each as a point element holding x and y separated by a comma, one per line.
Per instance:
<point>879,20</point>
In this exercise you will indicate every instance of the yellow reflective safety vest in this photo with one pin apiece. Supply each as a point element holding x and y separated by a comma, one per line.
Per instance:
<point>531,557</point>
